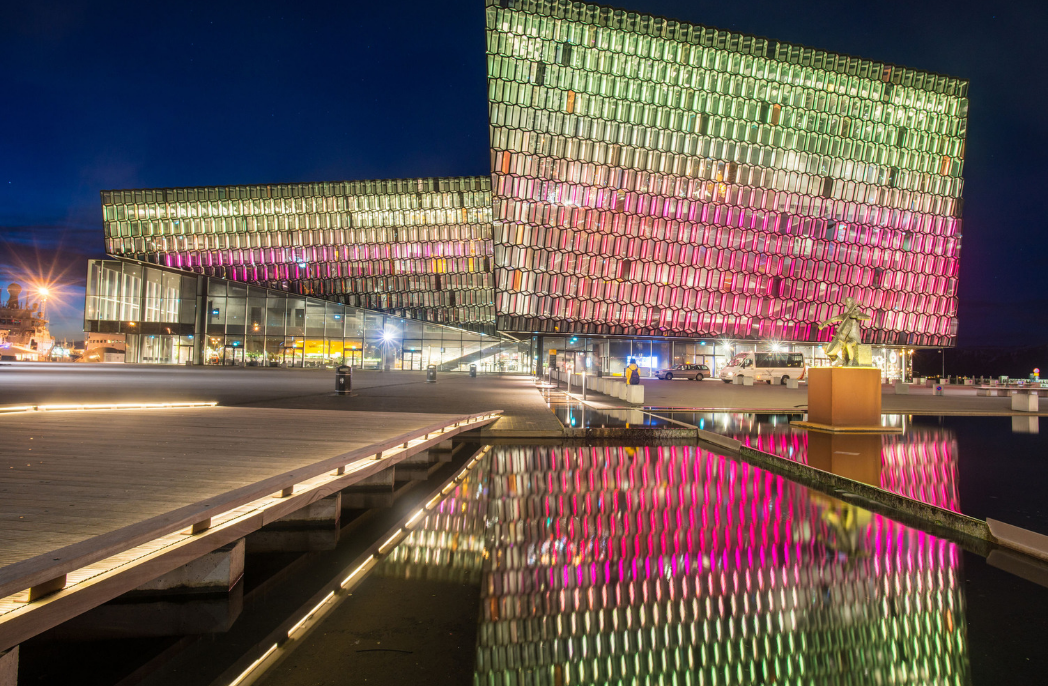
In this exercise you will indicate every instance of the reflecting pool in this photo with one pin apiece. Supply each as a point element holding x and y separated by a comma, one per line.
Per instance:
<point>677,565</point>
<point>981,466</point>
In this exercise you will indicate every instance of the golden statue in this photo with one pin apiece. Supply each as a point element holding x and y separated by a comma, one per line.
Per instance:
<point>843,350</point>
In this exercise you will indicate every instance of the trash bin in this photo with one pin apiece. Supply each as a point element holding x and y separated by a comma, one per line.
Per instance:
<point>431,374</point>
<point>343,380</point>
<point>473,370</point>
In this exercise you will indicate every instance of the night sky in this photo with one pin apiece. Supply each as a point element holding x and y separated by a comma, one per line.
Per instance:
<point>130,95</point>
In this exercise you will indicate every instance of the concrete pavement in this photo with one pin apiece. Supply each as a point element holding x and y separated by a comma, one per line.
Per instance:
<point>525,412</point>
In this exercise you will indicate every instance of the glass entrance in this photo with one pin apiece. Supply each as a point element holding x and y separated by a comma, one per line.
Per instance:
<point>159,349</point>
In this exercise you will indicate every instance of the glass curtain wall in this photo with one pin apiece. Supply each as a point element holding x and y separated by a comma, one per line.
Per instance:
<point>415,248</point>
<point>154,307</point>
<point>250,326</point>
<point>657,178</point>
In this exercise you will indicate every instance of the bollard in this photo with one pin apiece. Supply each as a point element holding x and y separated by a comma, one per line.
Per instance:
<point>431,374</point>
<point>343,380</point>
<point>473,371</point>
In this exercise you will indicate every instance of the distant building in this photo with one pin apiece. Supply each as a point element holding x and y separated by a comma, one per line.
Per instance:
<point>659,190</point>
<point>104,347</point>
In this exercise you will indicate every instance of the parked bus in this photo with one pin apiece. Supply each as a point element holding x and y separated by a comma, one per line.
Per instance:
<point>764,367</point>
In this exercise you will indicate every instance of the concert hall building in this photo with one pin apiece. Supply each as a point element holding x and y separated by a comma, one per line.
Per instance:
<point>658,190</point>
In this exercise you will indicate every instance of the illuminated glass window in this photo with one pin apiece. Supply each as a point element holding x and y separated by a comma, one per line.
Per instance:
<point>418,248</point>
<point>637,140</point>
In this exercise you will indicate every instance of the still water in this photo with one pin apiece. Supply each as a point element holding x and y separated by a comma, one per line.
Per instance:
<point>982,466</point>
<point>677,565</point>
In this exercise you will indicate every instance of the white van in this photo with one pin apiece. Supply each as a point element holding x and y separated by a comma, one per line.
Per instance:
<point>764,367</point>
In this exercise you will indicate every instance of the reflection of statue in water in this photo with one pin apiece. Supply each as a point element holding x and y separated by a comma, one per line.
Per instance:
<point>845,343</point>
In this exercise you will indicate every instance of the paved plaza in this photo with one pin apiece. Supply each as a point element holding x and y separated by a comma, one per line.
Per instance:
<point>525,412</point>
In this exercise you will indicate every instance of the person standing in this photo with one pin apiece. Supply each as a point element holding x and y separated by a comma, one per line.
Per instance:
<point>633,373</point>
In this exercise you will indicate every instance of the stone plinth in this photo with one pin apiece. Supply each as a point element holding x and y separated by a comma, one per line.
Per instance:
<point>1025,401</point>
<point>844,398</point>
<point>216,572</point>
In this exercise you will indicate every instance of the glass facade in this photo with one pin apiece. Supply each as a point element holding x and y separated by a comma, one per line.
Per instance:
<point>649,179</point>
<point>417,248</point>
<point>174,317</point>
<point>652,177</point>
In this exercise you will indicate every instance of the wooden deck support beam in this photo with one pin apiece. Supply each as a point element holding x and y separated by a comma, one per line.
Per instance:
<point>9,667</point>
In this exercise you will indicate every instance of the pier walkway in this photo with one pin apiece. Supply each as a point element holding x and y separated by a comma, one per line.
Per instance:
<point>93,503</point>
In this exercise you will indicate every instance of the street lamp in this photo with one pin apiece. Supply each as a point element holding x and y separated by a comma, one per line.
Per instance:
<point>43,292</point>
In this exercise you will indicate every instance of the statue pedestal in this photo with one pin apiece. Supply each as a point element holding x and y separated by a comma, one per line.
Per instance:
<point>846,399</point>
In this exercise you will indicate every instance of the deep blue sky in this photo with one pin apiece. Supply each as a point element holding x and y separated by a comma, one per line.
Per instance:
<point>118,95</point>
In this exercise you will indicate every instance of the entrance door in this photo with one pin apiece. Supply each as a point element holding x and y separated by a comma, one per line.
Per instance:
<point>233,356</point>
<point>412,361</point>
<point>157,349</point>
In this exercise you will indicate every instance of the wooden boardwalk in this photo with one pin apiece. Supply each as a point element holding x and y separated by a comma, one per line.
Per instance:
<point>82,487</point>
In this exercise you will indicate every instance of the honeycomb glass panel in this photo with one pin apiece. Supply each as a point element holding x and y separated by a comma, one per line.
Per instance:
<point>417,248</point>
<point>633,155</point>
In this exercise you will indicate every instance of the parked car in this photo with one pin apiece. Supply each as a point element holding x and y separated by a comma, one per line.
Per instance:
<point>684,371</point>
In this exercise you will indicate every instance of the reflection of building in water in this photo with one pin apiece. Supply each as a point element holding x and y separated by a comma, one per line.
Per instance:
<point>23,328</point>
<point>676,564</point>
<point>449,544</point>
<point>920,463</point>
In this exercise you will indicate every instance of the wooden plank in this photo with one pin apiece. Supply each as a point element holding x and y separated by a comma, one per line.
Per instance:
<point>131,476</point>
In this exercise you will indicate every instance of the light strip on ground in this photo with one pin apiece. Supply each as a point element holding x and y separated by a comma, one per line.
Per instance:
<point>253,665</point>
<point>408,524</point>
<point>16,408</point>
<point>309,614</point>
<point>84,407</point>
<point>358,570</point>
<point>392,539</point>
